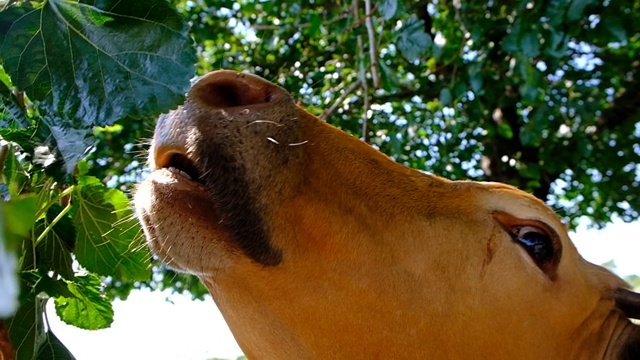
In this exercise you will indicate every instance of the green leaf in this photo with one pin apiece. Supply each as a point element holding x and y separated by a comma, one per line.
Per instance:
<point>15,176</point>
<point>445,96</point>
<point>615,28</point>
<point>388,8</point>
<point>414,42</point>
<point>53,349</point>
<point>52,287</point>
<point>529,138</point>
<point>88,309</point>
<point>388,77</point>
<point>10,106</point>
<point>106,233</point>
<point>530,171</point>
<point>510,43</point>
<point>54,250</point>
<point>576,9</point>
<point>475,77</point>
<point>315,22</point>
<point>558,43</point>
<point>529,43</point>
<point>93,62</point>
<point>555,11</point>
<point>111,54</point>
<point>505,130</point>
<point>20,214</point>
<point>72,141</point>
<point>26,329</point>
<point>136,265</point>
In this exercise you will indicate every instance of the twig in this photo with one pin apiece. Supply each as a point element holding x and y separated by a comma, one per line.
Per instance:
<point>373,53</point>
<point>340,99</point>
<point>362,73</point>
<point>365,114</point>
<point>300,26</point>
<point>6,4</point>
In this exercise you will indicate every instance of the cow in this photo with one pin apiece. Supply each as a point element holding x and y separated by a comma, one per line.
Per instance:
<point>314,245</point>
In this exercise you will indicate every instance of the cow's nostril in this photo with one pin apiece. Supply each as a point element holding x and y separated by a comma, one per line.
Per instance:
<point>224,94</point>
<point>228,89</point>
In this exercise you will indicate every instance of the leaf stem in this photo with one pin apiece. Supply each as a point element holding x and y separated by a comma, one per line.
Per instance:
<point>53,223</point>
<point>65,192</point>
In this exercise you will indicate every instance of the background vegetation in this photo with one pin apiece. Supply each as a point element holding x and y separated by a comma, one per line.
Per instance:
<point>542,95</point>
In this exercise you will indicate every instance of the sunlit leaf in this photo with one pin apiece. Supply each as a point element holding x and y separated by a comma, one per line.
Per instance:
<point>89,308</point>
<point>136,264</point>
<point>52,287</point>
<point>105,235</point>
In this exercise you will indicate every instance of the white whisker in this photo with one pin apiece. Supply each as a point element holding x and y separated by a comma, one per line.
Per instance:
<point>264,121</point>
<point>299,143</point>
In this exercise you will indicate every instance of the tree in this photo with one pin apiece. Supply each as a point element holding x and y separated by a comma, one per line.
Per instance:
<point>538,95</point>
<point>542,95</point>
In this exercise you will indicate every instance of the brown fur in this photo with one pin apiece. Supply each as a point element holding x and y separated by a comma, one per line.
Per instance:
<point>316,246</point>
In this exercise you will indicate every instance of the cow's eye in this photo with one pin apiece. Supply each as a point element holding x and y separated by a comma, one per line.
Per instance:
<point>536,242</point>
<point>540,241</point>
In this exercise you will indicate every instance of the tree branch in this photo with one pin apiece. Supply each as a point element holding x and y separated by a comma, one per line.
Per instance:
<point>259,27</point>
<point>373,52</point>
<point>362,74</point>
<point>340,99</point>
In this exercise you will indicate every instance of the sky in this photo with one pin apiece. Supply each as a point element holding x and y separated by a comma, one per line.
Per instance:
<point>147,326</point>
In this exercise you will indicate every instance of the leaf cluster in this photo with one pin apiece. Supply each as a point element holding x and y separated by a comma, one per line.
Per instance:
<point>70,72</point>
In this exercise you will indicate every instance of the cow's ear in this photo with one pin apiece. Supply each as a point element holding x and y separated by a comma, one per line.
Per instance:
<point>628,302</point>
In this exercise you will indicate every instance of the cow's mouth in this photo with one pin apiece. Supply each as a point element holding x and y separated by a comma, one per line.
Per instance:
<point>180,165</point>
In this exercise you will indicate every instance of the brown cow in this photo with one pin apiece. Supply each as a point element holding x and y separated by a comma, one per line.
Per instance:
<point>316,246</point>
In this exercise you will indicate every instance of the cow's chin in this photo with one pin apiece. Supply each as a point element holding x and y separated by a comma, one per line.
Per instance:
<point>180,223</point>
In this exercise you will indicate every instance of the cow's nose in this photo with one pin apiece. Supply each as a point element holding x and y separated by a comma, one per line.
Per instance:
<point>222,90</point>
<point>228,89</point>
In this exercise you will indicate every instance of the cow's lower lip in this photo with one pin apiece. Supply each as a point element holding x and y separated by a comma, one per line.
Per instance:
<point>177,179</point>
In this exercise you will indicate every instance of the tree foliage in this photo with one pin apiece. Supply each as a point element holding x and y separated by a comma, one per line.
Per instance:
<point>71,69</point>
<point>541,95</point>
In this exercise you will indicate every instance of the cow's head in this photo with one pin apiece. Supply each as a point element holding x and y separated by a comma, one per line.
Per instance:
<point>315,245</point>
